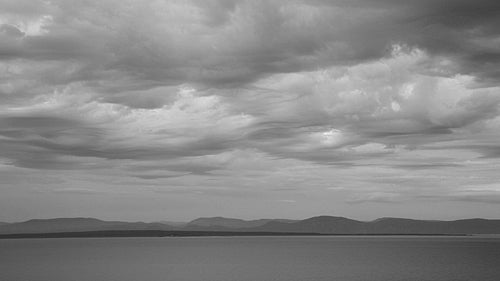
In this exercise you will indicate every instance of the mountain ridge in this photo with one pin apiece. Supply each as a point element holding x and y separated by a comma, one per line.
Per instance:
<point>76,224</point>
<point>230,222</point>
<point>319,224</point>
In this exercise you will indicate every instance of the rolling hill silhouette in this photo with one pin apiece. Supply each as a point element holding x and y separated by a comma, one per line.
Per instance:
<point>318,225</point>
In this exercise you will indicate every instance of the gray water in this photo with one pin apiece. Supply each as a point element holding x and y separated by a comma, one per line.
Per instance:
<point>251,258</point>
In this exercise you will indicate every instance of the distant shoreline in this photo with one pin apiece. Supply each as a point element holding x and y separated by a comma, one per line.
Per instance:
<point>180,233</point>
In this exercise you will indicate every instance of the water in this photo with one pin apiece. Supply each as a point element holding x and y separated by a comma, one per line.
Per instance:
<point>252,259</point>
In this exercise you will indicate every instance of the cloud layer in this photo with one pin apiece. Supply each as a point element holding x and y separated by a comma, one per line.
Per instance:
<point>362,103</point>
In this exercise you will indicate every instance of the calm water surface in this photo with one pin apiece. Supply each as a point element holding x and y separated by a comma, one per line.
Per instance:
<point>251,259</point>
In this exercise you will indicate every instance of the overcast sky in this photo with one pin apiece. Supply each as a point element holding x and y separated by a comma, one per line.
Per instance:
<point>172,110</point>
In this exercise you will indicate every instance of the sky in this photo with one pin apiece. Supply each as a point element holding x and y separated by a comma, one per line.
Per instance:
<point>173,110</point>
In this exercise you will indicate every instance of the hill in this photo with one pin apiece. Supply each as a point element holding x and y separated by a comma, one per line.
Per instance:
<point>340,225</point>
<point>319,224</point>
<point>230,223</point>
<point>76,224</point>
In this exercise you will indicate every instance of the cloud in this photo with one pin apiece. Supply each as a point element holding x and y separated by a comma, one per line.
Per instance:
<point>344,112</point>
<point>376,197</point>
<point>473,193</point>
<point>247,97</point>
<point>481,198</point>
<point>286,201</point>
<point>226,43</point>
<point>83,191</point>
